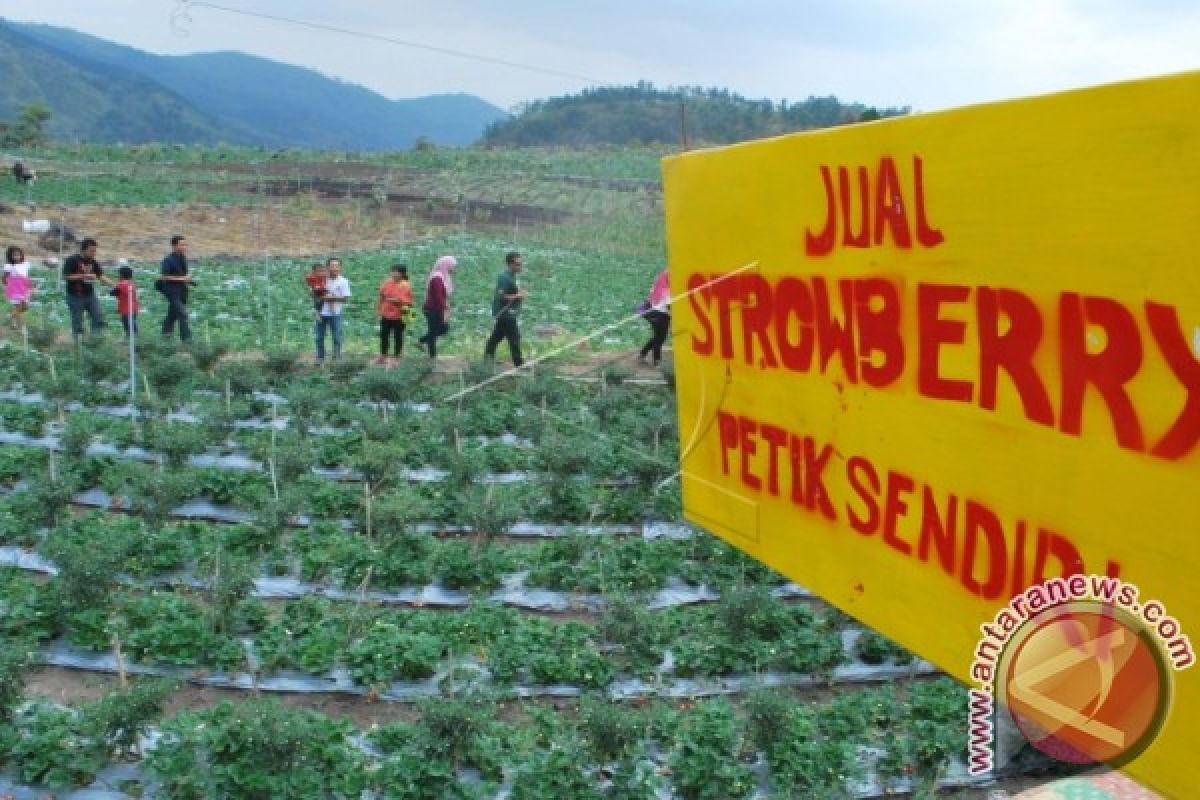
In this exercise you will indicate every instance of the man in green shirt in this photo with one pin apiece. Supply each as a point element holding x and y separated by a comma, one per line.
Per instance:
<point>506,306</point>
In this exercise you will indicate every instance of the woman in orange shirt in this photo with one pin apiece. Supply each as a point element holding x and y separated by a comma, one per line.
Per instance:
<point>395,307</point>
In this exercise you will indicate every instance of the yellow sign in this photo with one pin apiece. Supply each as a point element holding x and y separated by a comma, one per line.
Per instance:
<point>928,362</point>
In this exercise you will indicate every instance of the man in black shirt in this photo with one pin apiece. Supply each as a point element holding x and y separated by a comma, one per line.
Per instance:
<point>80,272</point>
<point>174,285</point>
<point>506,306</point>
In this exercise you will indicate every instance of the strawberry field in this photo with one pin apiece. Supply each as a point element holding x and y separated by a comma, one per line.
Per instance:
<point>507,568</point>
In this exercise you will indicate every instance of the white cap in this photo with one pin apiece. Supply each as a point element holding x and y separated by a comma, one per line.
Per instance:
<point>122,262</point>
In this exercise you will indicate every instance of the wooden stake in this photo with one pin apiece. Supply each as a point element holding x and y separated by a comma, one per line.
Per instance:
<point>116,647</point>
<point>274,480</point>
<point>367,506</point>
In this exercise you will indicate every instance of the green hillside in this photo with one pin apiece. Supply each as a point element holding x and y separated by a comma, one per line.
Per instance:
<point>275,104</point>
<point>93,102</point>
<point>643,114</point>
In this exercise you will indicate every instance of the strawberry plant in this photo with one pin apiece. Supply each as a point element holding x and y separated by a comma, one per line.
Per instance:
<point>550,653</point>
<point>489,510</point>
<point>167,628</point>
<point>255,751</point>
<point>87,560</point>
<point>122,717</point>
<point>706,763</point>
<point>463,565</point>
<point>388,652</point>
<point>240,377</point>
<point>412,774</point>
<point>51,746</point>
<point>875,648</point>
<point>156,493</point>
<point>32,610</point>
<point>311,636</point>
<point>166,373</point>
<point>553,774</point>
<point>76,436</point>
<point>636,631</point>
<point>16,657</point>
<point>329,553</point>
<point>176,441</point>
<point>281,361</point>
<point>806,762</point>
<point>206,354</point>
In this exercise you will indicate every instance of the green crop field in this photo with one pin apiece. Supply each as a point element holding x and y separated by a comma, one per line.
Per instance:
<point>402,590</point>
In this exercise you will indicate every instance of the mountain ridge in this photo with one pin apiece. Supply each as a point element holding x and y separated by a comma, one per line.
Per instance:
<point>248,99</point>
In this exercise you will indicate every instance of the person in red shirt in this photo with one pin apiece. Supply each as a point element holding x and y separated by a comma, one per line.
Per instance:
<point>438,289</point>
<point>395,305</point>
<point>127,300</point>
<point>315,279</point>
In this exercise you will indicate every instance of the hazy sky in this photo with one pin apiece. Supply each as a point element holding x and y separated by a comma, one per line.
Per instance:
<point>928,54</point>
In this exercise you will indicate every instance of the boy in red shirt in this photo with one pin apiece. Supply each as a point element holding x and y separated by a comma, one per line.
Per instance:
<point>127,300</point>
<point>316,278</point>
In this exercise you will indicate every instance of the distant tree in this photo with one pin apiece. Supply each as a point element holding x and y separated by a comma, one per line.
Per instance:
<point>29,128</point>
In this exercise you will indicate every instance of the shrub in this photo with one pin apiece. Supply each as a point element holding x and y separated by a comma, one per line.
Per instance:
<point>611,729</point>
<point>554,773</point>
<point>388,653</point>
<point>705,764</point>
<point>489,509</point>
<point>467,565</point>
<point>16,657</point>
<point>345,368</point>
<point>807,763</point>
<point>639,631</point>
<point>449,724</point>
<point>166,373</point>
<point>205,354</point>
<point>156,493</point>
<point>241,377</point>
<point>256,750</point>
<point>281,361</point>
<point>52,747</point>
<point>88,561</point>
<point>42,336</point>
<point>123,716</point>
<point>76,437</point>
<point>176,441</point>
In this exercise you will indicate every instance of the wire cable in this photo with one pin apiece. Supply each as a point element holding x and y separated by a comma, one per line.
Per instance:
<point>181,15</point>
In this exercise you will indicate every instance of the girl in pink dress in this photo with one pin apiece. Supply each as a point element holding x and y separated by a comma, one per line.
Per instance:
<point>18,287</point>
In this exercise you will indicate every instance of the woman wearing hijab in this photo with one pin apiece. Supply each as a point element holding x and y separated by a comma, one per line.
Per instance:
<point>657,311</point>
<point>438,289</point>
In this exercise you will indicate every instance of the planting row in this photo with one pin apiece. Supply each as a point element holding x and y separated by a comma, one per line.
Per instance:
<point>747,632</point>
<point>863,744</point>
<point>414,567</point>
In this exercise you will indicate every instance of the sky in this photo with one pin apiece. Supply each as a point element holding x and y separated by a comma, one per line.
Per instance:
<point>925,54</point>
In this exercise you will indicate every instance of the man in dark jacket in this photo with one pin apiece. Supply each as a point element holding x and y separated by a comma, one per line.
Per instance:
<point>174,286</point>
<point>506,306</point>
<point>80,273</point>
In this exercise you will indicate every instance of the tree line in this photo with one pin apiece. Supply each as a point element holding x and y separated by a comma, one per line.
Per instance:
<point>28,129</point>
<point>645,114</point>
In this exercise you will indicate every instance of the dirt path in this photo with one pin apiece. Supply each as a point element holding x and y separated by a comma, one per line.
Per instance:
<point>283,231</point>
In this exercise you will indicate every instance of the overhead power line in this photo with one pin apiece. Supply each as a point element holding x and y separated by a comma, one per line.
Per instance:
<point>184,7</point>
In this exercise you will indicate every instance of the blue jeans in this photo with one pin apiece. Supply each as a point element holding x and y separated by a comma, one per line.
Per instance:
<point>78,306</point>
<point>333,322</point>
